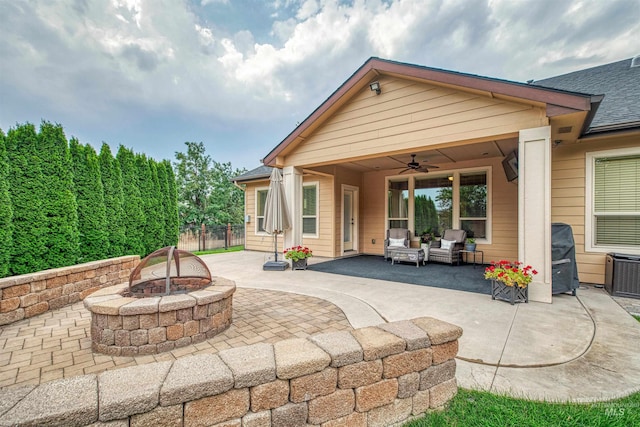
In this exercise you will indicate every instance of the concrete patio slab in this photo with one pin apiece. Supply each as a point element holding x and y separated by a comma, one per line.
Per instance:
<point>580,348</point>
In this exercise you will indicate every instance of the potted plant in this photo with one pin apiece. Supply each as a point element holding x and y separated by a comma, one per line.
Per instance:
<point>298,256</point>
<point>470,245</point>
<point>510,280</point>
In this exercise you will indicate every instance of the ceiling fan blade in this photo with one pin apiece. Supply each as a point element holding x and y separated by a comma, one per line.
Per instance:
<point>431,166</point>
<point>407,169</point>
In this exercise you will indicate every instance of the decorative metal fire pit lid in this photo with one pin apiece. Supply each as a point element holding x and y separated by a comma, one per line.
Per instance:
<point>168,271</point>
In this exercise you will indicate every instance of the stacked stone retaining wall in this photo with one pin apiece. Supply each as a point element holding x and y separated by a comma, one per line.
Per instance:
<point>28,295</point>
<point>374,376</point>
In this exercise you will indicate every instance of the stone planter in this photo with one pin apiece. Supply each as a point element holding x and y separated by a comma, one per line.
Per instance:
<point>300,264</point>
<point>511,294</point>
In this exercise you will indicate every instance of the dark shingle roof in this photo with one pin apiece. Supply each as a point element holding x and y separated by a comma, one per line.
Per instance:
<point>258,173</point>
<point>620,85</point>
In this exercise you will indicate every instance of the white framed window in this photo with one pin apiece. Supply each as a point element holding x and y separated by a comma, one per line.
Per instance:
<point>310,207</point>
<point>440,201</point>
<point>261,199</point>
<point>398,203</point>
<point>612,201</point>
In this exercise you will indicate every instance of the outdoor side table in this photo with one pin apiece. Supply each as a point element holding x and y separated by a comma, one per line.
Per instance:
<point>466,257</point>
<point>407,254</point>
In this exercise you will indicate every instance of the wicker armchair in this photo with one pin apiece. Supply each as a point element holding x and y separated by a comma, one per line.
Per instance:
<point>450,255</point>
<point>396,233</point>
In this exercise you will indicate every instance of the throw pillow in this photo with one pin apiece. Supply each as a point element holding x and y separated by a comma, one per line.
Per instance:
<point>397,242</point>
<point>446,244</point>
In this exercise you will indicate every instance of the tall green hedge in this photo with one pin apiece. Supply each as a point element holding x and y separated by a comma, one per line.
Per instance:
<point>27,191</point>
<point>134,216</point>
<point>6,211</point>
<point>113,200</point>
<point>171,216</point>
<point>92,218</point>
<point>59,205</point>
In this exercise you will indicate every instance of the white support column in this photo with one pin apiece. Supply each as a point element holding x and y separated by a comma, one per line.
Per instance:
<point>293,192</point>
<point>534,208</point>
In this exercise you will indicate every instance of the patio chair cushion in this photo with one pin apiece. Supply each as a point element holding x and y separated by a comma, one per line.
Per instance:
<point>446,244</point>
<point>397,243</point>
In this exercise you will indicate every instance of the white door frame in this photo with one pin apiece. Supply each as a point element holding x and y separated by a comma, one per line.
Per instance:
<point>355,207</point>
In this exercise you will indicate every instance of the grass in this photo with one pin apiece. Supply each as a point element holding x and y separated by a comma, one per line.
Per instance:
<point>636,317</point>
<point>220,251</point>
<point>478,408</point>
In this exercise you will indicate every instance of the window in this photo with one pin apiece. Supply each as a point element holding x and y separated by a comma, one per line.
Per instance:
<point>457,200</point>
<point>310,209</point>
<point>261,199</point>
<point>613,207</point>
<point>473,204</point>
<point>432,199</point>
<point>398,203</point>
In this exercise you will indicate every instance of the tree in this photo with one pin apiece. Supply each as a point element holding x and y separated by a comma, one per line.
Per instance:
<point>111,177</point>
<point>194,183</point>
<point>92,218</point>
<point>426,215</point>
<point>134,217</point>
<point>171,216</point>
<point>152,228</point>
<point>205,191</point>
<point>26,190</point>
<point>227,200</point>
<point>59,204</point>
<point>6,212</point>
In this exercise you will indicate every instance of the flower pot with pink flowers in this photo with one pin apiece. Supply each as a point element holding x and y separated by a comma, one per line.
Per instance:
<point>510,280</point>
<point>298,256</point>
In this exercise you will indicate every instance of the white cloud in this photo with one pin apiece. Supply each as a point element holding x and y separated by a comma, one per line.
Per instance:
<point>93,61</point>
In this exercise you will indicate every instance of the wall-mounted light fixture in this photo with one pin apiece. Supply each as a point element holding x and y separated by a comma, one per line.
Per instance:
<point>375,87</point>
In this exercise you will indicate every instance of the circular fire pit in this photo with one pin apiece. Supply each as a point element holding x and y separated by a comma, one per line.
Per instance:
<point>171,301</point>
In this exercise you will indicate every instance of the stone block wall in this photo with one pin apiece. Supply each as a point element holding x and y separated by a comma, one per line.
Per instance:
<point>28,295</point>
<point>374,376</point>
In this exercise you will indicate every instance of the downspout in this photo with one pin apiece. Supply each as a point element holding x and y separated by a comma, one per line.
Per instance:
<point>244,202</point>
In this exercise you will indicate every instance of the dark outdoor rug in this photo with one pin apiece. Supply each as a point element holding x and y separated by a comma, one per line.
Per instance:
<point>460,278</point>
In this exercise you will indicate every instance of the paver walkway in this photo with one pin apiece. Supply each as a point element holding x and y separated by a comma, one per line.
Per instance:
<point>57,344</point>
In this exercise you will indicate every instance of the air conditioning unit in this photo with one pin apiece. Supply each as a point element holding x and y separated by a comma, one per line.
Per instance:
<point>622,275</point>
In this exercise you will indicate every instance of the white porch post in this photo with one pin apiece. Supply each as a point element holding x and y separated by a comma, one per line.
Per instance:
<point>293,192</point>
<point>534,208</point>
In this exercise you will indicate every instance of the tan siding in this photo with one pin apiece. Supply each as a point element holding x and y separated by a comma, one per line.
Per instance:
<point>568,198</point>
<point>322,245</point>
<point>410,115</point>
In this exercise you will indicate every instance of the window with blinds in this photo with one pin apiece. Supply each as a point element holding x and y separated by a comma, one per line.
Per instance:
<point>616,201</point>
<point>310,209</point>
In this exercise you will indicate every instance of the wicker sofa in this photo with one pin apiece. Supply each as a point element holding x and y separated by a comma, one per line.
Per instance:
<point>448,255</point>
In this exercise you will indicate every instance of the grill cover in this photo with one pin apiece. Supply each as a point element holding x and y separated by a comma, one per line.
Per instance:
<point>563,259</point>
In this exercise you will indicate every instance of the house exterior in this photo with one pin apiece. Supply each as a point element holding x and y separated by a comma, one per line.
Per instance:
<point>573,140</point>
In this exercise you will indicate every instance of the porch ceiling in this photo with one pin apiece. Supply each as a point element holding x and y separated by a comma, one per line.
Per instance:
<point>441,156</point>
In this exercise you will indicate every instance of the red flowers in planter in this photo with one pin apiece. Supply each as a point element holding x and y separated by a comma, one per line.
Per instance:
<point>297,253</point>
<point>511,273</point>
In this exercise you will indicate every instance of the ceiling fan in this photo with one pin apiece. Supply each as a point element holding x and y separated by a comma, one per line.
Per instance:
<point>416,166</point>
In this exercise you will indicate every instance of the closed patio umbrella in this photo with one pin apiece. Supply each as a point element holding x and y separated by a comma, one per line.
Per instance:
<point>276,217</point>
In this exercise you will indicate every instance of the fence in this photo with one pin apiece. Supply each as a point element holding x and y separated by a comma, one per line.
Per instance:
<point>208,237</point>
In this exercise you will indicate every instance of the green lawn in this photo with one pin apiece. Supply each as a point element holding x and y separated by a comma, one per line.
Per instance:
<point>476,408</point>
<point>221,250</point>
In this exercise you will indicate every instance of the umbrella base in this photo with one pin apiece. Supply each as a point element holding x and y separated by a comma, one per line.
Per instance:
<point>275,266</point>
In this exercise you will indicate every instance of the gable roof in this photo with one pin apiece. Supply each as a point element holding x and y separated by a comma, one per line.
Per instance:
<point>558,101</point>
<point>620,85</point>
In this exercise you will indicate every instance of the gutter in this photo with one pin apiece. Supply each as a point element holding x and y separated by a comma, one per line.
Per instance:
<point>595,104</point>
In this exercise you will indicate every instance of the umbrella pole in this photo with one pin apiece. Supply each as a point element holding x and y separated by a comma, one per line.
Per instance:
<point>275,239</point>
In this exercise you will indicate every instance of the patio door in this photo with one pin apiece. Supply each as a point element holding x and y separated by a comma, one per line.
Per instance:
<point>349,218</point>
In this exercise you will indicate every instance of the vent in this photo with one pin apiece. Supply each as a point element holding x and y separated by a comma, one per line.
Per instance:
<point>635,61</point>
<point>565,129</point>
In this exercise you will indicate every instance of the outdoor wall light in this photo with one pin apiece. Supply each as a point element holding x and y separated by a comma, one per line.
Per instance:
<point>375,87</point>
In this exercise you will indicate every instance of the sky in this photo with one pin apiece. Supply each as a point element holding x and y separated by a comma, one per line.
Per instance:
<point>239,75</point>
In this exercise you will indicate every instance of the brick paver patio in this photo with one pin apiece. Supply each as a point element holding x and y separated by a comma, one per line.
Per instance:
<point>57,344</point>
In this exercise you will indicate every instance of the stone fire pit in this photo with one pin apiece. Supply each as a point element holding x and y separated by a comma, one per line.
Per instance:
<point>154,313</point>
